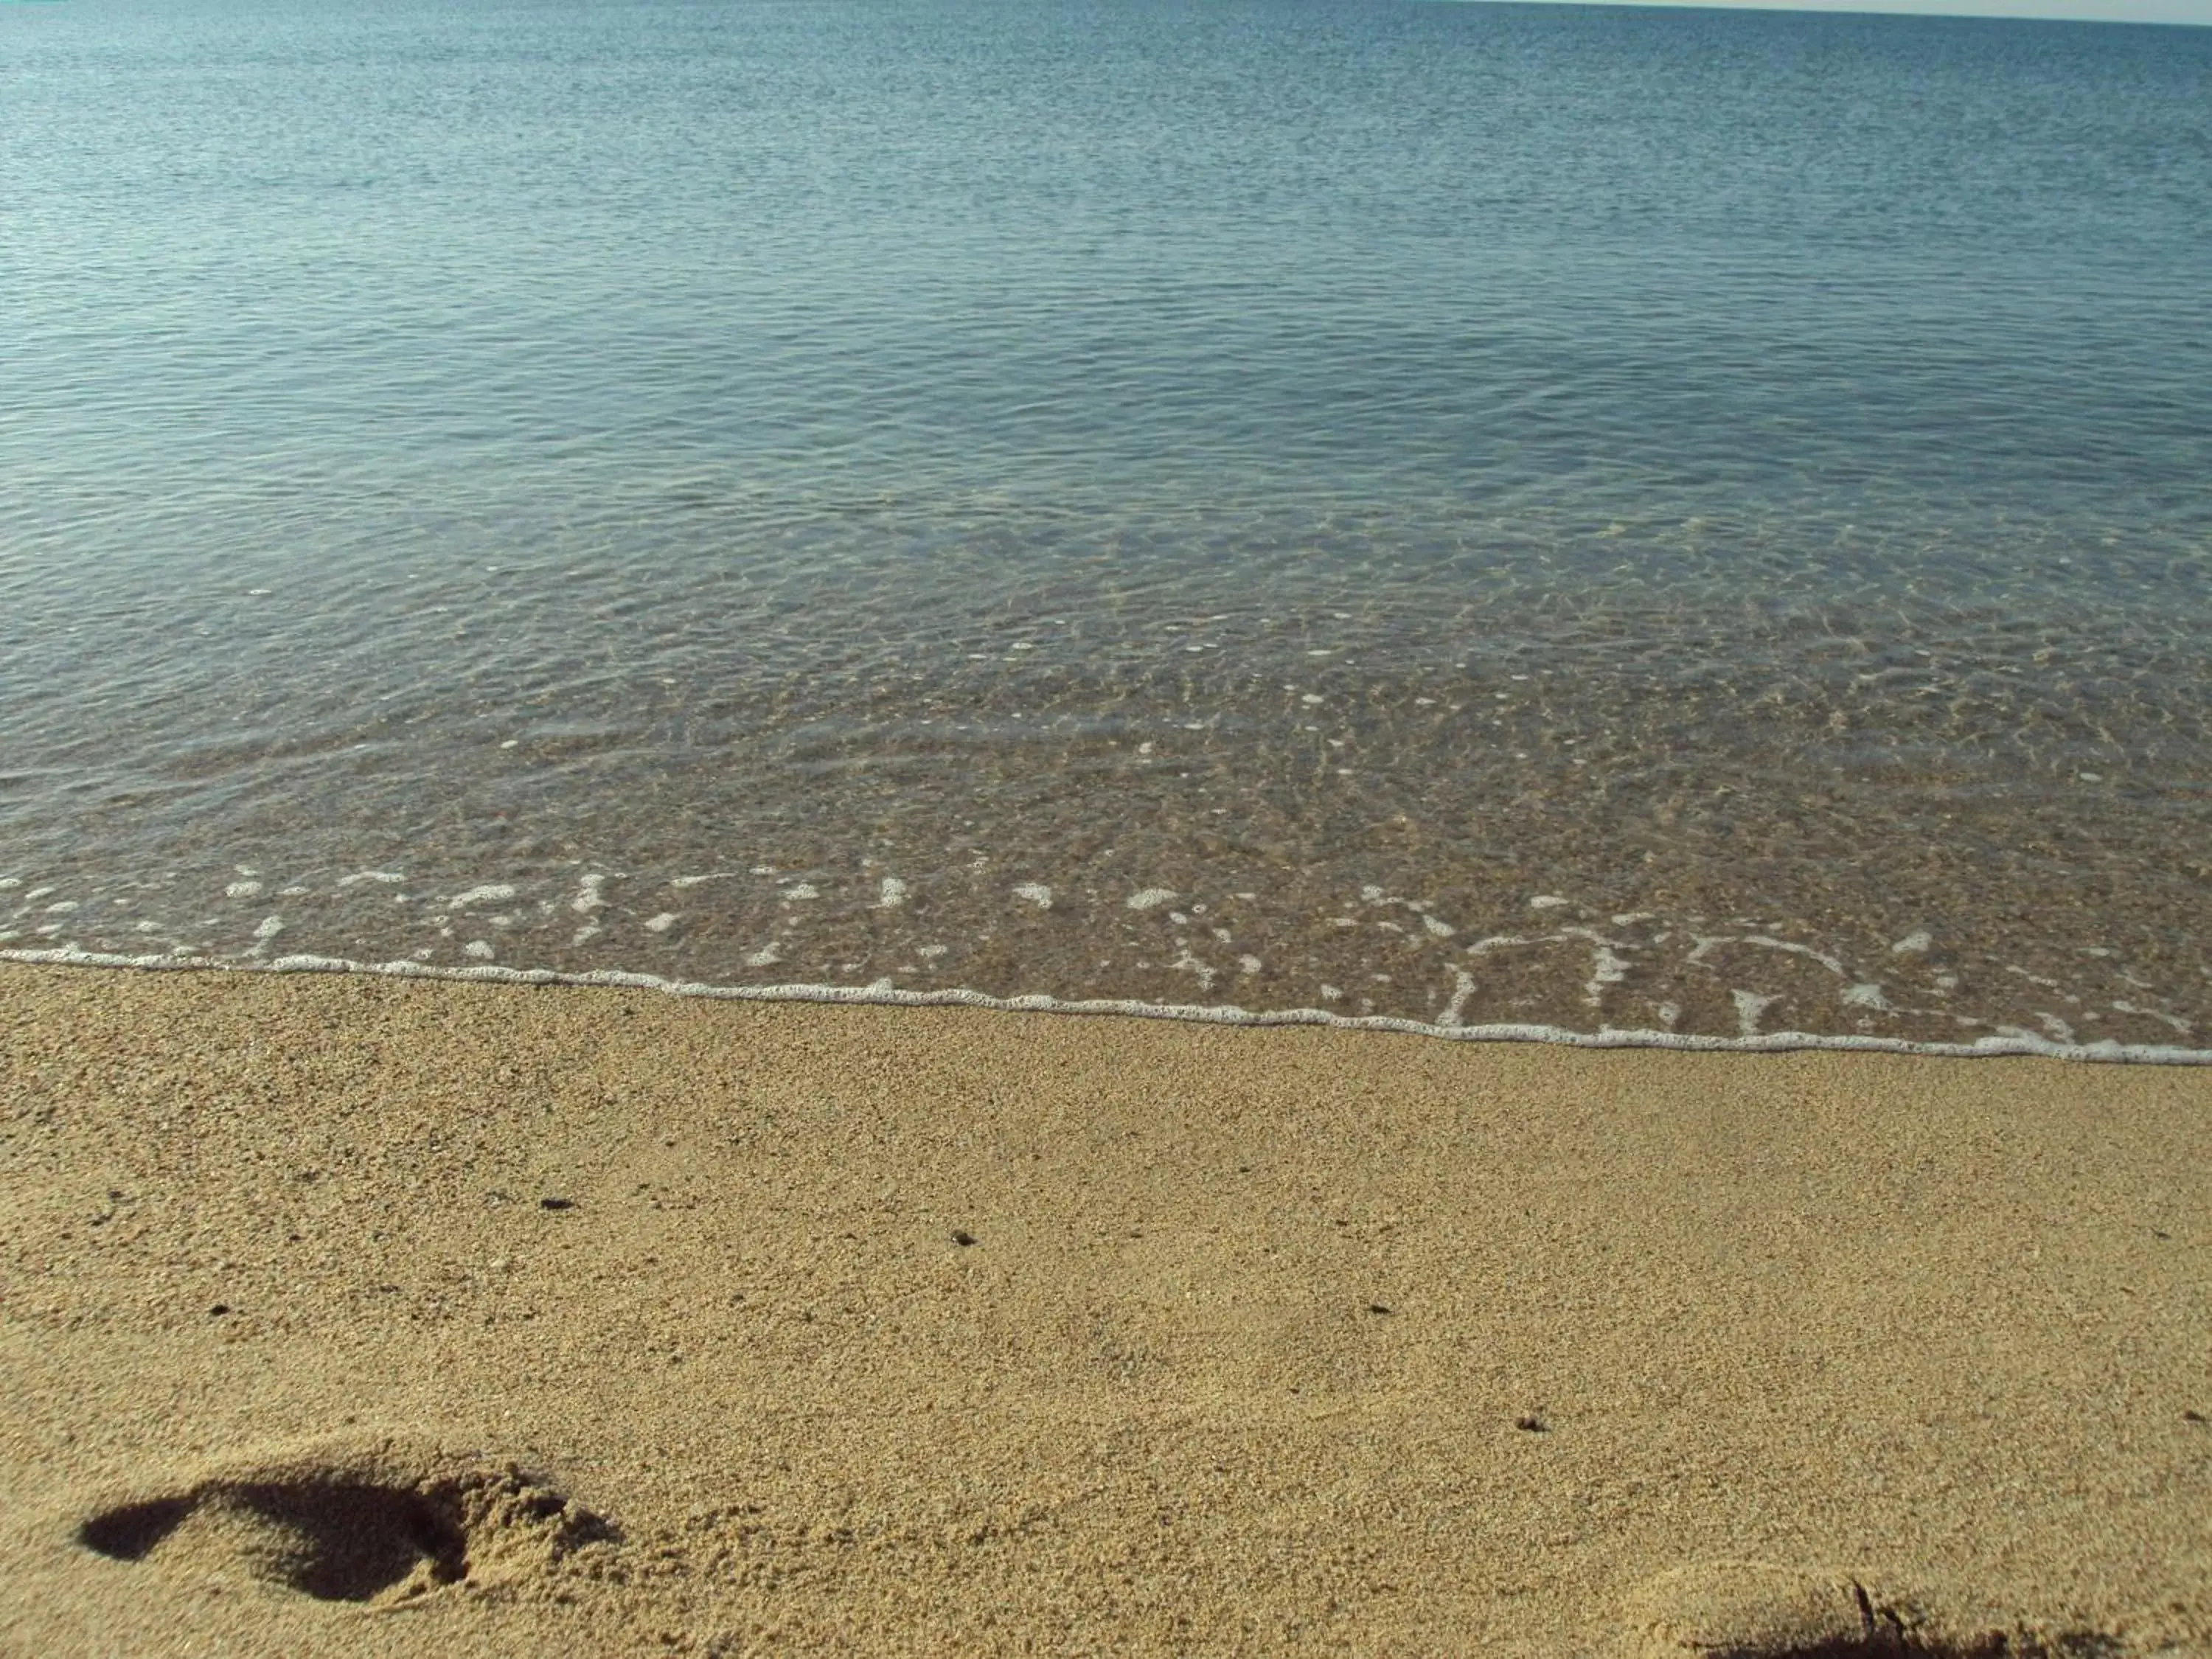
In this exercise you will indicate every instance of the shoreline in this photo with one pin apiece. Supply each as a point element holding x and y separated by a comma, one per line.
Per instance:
<point>2010,1043</point>
<point>627,1323</point>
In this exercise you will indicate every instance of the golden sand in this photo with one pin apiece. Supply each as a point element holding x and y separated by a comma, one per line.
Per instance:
<point>348,1315</point>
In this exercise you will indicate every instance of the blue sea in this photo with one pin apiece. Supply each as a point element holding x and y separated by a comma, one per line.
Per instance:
<point>1524,518</point>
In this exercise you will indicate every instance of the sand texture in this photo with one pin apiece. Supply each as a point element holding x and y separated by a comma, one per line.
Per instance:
<point>342,1315</point>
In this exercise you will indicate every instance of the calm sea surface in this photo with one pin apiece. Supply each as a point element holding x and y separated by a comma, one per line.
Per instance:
<point>1481,514</point>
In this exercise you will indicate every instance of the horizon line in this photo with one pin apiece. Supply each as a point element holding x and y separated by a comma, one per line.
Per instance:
<point>2155,14</point>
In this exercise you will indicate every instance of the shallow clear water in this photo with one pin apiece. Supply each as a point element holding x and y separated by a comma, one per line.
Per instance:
<point>1474,514</point>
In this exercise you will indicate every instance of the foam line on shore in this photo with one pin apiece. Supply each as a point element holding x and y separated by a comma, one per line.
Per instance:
<point>2009,1044</point>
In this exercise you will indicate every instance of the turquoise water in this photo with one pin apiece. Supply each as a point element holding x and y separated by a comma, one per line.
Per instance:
<point>1608,519</point>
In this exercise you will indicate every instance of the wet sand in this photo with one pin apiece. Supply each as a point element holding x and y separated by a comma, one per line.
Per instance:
<point>347,1315</point>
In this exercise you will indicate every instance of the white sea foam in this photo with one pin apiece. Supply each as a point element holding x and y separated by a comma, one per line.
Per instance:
<point>490,893</point>
<point>479,948</point>
<point>1149,898</point>
<point>1749,1005</point>
<point>2010,1041</point>
<point>1765,943</point>
<point>1185,962</point>
<point>661,923</point>
<point>1607,969</point>
<point>241,889</point>
<point>2181,1027</point>
<point>361,876</point>
<point>1463,988</point>
<point>1036,893</point>
<point>890,894</point>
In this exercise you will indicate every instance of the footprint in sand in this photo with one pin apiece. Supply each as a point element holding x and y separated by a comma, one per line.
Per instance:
<point>1761,1610</point>
<point>375,1522</point>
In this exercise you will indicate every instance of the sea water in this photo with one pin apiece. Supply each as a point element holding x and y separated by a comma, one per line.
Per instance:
<point>1597,519</point>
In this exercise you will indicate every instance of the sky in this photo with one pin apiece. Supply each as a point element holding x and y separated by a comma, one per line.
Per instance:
<point>2106,11</point>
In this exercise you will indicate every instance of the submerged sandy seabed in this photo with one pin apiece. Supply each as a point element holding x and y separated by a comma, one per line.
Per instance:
<point>360,1314</point>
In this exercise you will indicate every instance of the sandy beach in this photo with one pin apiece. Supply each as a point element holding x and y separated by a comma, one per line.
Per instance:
<point>344,1315</point>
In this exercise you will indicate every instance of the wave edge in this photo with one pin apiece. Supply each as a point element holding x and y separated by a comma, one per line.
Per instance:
<point>1993,1047</point>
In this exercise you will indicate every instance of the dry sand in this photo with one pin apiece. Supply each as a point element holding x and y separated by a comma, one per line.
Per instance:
<point>359,1315</point>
